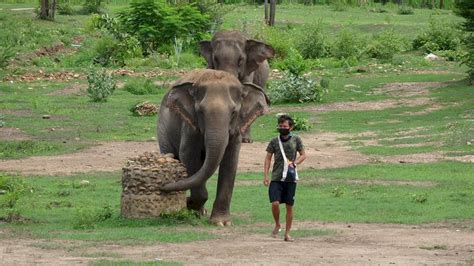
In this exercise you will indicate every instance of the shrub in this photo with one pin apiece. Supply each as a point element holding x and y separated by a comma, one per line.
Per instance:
<point>347,45</point>
<point>64,8</point>
<point>156,24</point>
<point>385,45</point>
<point>101,85</point>
<point>92,7</point>
<point>282,40</point>
<point>314,43</point>
<point>301,123</point>
<point>439,36</point>
<point>293,63</point>
<point>405,10</point>
<point>139,87</point>
<point>295,89</point>
<point>110,51</point>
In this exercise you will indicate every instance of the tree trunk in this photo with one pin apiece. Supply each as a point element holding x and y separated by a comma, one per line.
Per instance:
<point>272,12</point>
<point>265,4</point>
<point>441,4</point>
<point>47,10</point>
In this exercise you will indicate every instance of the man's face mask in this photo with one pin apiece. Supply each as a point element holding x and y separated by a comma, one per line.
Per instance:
<point>284,131</point>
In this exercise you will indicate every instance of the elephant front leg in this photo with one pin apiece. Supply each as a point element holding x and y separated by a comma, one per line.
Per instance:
<point>225,185</point>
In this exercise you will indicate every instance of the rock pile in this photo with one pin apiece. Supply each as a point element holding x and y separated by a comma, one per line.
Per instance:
<point>142,178</point>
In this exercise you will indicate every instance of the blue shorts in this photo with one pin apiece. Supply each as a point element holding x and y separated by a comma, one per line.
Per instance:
<point>283,192</point>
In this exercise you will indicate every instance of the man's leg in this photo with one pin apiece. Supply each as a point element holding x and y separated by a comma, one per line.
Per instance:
<point>276,217</point>
<point>289,221</point>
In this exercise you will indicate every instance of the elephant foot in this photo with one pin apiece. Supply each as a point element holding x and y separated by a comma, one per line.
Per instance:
<point>198,208</point>
<point>221,221</point>
<point>246,140</point>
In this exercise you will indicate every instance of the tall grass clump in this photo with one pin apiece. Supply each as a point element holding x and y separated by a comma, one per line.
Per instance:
<point>348,45</point>
<point>440,36</point>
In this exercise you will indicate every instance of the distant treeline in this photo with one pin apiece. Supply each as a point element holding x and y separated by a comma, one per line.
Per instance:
<point>444,4</point>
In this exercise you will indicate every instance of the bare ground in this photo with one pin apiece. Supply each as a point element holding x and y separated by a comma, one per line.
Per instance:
<point>352,244</point>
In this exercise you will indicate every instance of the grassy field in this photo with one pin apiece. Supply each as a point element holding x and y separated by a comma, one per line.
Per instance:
<point>64,208</point>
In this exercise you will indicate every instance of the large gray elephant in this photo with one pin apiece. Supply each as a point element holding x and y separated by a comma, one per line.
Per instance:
<point>246,59</point>
<point>201,120</point>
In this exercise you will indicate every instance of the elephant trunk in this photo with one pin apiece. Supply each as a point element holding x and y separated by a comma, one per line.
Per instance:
<point>215,144</point>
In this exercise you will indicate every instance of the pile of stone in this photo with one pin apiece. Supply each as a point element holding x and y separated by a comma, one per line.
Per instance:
<point>142,178</point>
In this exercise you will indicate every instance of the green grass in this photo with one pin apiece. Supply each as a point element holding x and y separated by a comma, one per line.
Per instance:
<point>26,148</point>
<point>447,196</point>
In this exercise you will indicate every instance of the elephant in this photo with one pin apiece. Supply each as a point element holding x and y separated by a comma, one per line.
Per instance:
<point>246,59</point>
<point>201,120</point>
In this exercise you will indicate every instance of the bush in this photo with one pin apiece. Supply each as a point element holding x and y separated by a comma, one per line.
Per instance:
<point>110,51</point>
<point>101,85</point>
<point>314,43</point>
<point>385,45</point>
<point>156,24</point>
<point>295,89</point>
<point>439,36</point>
<point>139,87</point>
<point>405,10</point>
<point>280,39</point>
<point>347,45</point>
<point>64,8</point>
<point>301,124</point>
<point>293,63</point>
<point>93,7</point>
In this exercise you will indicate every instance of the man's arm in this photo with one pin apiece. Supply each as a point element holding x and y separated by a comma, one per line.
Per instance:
<point>301,158</point>
<point>266,168</point>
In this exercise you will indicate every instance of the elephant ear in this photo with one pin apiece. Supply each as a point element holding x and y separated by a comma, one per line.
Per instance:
<point>254,104</point>
<point>180,100</point>
<point>205,48</point>
<point>257,52</point>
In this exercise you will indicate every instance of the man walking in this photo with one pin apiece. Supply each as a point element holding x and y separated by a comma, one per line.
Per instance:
<point>284,175</point>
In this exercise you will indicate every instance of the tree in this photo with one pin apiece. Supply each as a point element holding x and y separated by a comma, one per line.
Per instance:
<point>465,8</point>
<point>265,4</point>
<point>47,9</point>
<point>271,20</point>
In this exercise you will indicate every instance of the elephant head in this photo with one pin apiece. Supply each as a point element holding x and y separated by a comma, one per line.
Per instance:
<point>232,52</point>
<point>216,106</point>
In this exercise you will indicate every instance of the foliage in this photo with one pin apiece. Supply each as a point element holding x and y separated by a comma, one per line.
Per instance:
<point>93,7</point>
<point>282,40</point>
<point>295,89</point>
<point>405,10</point>
<point>348,44</point>
<point>11,190</point>
<point>314,42</point>
<point>293,63</point>
<point>183,216</point>
<point>385,45</point>
<point>101,85</point>
<point>114,47</point>
<point>465,9</point>
<point>439,36</point>
<point>156,24</point>
<point>140,87</point>
<point>6,53</point>
<point>301,123</point>
<point>87,217</point>
<point>65,8</point>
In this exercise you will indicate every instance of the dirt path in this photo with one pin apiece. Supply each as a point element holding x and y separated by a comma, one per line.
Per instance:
<point>352,244</point>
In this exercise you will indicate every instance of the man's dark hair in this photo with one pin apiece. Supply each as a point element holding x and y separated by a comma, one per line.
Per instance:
<point>284,118</point>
